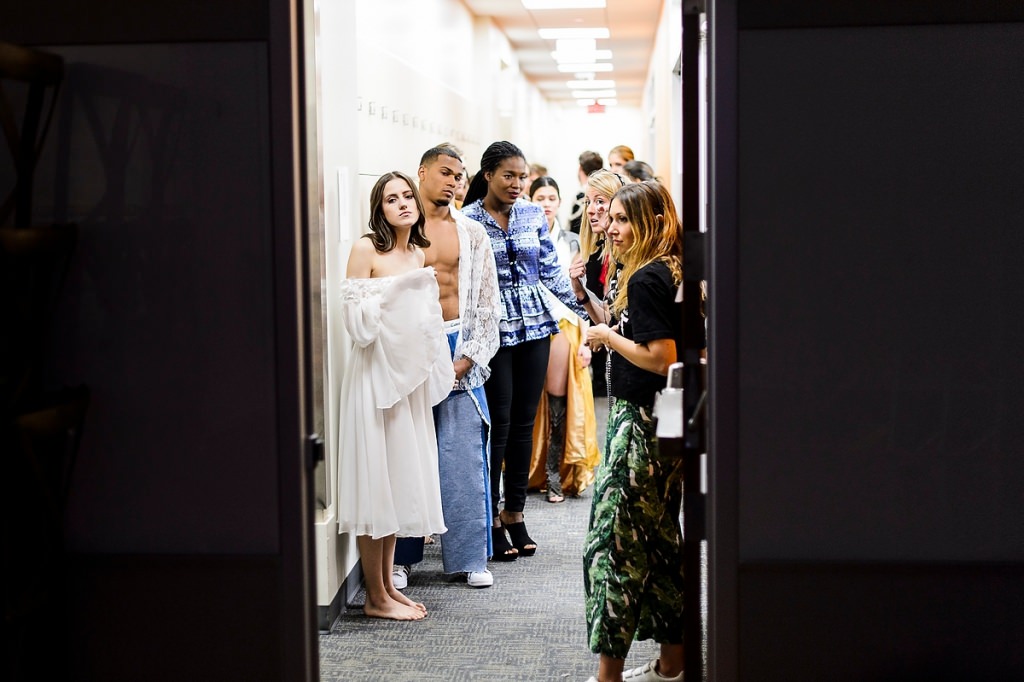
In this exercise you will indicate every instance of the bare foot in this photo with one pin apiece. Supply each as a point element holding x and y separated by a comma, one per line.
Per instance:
<point>402,599</point>
<point>393,610</point>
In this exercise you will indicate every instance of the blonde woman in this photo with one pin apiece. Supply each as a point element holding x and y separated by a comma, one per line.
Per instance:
<point>592,273</point>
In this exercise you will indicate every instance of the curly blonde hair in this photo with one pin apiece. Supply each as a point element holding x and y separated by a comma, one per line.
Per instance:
<point>607,184</point>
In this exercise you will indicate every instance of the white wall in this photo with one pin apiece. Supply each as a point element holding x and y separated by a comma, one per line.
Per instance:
<point>662,106</point>
<point>339,140</point>
<point>414,79</point>
<point>570,131</point>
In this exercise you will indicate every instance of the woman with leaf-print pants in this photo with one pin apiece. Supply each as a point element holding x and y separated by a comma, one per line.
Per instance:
<point>633,555</point>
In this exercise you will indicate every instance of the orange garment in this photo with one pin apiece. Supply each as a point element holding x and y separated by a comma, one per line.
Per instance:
<point>581,451</point>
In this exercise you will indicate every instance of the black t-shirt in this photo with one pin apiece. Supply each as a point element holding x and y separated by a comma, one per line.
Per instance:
<point>651,313</point>
<point>595,264</point>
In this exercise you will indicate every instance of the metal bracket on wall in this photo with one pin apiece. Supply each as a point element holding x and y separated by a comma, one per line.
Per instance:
<point>315,452</point>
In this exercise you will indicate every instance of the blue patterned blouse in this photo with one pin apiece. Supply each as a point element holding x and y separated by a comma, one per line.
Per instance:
<point>526,261</point>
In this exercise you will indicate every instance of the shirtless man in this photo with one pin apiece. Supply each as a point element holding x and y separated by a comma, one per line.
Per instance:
<point>460,253</point>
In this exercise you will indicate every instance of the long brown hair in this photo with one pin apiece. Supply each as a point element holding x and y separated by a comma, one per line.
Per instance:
<point>382,234</point>
<point>657,234</point>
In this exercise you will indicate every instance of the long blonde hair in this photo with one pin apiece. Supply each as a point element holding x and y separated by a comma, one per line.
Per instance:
<point>607,184</point>
<point>657,234</point>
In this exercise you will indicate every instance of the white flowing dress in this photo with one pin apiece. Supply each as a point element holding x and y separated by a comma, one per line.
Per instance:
<point>399,368</point>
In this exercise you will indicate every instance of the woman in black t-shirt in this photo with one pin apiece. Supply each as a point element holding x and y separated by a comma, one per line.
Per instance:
<point>594,270</point>
<point>633,556</point>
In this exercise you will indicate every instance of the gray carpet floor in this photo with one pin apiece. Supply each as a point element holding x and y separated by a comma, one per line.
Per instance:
<point>528,626</point>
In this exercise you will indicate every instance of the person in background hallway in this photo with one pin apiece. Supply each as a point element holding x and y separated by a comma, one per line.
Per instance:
<point>633,552</point>
<point>398,367</point>
<point>638,171</point>
<point>565,449</point>
<point>594,269</point>
<point>526,262</point>
<point>460,191</point>
<point>618,157</point>
<point>460,253</point>
<point>536,171</point>
<point>589,162</point>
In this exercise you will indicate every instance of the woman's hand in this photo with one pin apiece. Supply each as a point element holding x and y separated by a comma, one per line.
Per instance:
<point>577,271</point>
<point>584,354</point>
<point>597,336</point>
<point>462,366</point>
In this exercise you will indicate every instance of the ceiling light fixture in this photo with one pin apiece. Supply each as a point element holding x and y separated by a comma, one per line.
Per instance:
<point>593,94</point>
<point>608,101</point>
<point>562,33</point>
<point>575,45</point>
<point>578,58</point>
<point>590,85</point>
<point>575,68</point>
<point>564,4</point>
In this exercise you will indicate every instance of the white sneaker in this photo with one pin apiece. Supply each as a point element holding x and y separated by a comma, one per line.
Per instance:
<point>400,576</point>
<point>648,673</point>
<point>480,578</point>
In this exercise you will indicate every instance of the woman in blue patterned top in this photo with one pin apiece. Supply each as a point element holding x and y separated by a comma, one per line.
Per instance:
<point>526,263</point>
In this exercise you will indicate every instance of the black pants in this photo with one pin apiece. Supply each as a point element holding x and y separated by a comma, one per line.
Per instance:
<point>513,391</point>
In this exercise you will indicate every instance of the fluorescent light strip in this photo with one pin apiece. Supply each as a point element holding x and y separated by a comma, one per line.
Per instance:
<point>608,101</point>
<point>576,68</point>
<point>593,94</point>
<point>571,33</point>
<point>590,85</point>
<point>577,57</point>
<point>564,4</point>
<point>575,45</point>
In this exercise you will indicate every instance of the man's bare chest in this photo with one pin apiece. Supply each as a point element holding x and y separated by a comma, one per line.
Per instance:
<point>443,252</point>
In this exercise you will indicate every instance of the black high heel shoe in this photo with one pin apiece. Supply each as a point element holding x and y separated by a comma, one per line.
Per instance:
<point>503,551</point>
<point>521,540</point>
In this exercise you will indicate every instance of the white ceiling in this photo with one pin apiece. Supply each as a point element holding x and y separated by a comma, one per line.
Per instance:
<point>632,23</point>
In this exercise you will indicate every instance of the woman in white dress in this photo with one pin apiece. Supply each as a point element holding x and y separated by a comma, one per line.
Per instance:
<point>399,367</point>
